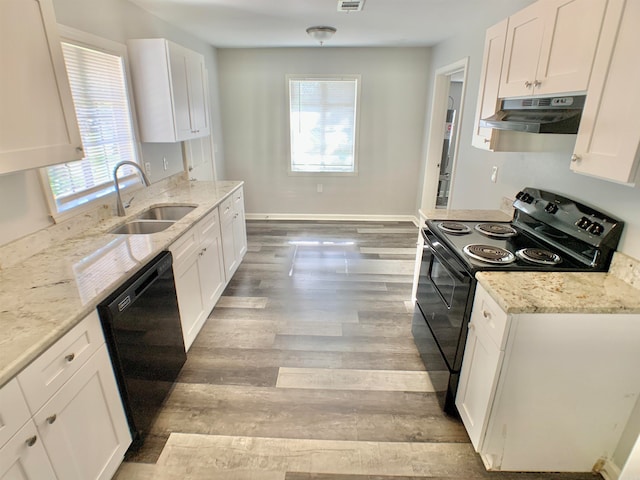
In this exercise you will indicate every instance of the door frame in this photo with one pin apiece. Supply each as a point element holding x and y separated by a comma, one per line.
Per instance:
<point>439,105</point>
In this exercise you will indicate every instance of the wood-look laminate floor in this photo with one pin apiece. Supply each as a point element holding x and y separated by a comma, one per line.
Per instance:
<point>306,370</point>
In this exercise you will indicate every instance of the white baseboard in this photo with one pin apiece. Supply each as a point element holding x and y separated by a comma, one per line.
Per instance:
<point>610,471</point>
<point>332,217</point>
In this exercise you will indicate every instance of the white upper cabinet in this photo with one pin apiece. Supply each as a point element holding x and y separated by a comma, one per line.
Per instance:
<point>483,137</point>
<point>550,47</point>
<point>170,89</point>
<point>38,124</point>
<point>608,140</point>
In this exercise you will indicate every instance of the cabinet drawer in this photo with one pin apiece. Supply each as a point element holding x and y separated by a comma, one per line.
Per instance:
<point>488,315</point>
<point>184,247</point>
<point>13,410</point>
<point>226,209</point>
<point>46,374</point>
<point>209,223</point>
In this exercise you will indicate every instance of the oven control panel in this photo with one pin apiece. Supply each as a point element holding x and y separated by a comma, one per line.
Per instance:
<point>573,218</point>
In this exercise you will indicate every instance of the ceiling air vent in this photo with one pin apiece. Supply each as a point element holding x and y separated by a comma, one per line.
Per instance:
<point>350,5</point>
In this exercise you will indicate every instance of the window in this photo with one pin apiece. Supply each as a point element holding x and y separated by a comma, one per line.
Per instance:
<point>98,86</point>
<point>322,124</point>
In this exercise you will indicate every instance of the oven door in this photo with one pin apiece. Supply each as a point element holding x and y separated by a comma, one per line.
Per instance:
<point>444,296</point>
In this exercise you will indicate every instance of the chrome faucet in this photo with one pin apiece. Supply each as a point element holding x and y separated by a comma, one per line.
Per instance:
<point>145,179</point>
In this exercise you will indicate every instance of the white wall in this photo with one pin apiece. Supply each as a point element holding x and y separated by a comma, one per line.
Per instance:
<point>392,111</point>
<point>550,171</point>
<point>23,207</point>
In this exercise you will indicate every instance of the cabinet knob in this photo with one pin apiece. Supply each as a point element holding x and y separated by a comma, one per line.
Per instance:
<point>486,314</point>
<point>472,326</point>
<point>79,149</point>
<point>528,84</point>
<point>537,83</point>
<point>31,441</point>
<point>70,357</point>
<point>575,158</point>
<point>487,140</point>
<point>51,419</point>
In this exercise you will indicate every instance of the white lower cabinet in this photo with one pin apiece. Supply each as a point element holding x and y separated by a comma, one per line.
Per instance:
<point>79,432</point>
<point>23,457</point>
<point>234,233</point>
<point>199,274</point>
<point>547,392</point>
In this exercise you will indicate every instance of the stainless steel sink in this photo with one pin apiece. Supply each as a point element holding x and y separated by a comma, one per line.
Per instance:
<point>166,212</point>
<point>142,227</point>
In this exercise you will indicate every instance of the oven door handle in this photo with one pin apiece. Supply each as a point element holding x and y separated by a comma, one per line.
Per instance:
<point>450,269</point>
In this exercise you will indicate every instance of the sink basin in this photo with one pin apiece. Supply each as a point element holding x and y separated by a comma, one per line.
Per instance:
<point>166,212</point>
<point>142,227</point>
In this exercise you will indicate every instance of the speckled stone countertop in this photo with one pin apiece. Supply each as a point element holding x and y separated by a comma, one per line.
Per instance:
<point>466,215</point>
<point>44,295</point>
<point>544,292</point>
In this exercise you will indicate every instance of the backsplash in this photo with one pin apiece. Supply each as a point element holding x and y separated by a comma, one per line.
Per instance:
<point>23,248</point>
<point>626,268</point>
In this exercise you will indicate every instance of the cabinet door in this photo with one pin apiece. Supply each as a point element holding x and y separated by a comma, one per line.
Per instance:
<point>229,249</point>
<point>23,457</point>
<point>609,135</point>
<point>239,225</point>
<point>178,65</point>
<point>197,75</point>
<point>38,124</point>
<point>83,427</point>
<point>191,303</point>
<point>522,51</point>
<point>212,278</point>
<point>485,138</point>
<point>478,379</point>
<point>569,45</point>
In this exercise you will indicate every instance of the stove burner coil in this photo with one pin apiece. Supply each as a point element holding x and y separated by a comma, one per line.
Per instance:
<point>454,227</point>
<point>489,254</point>
<point>539,256</point>
<point>496,230</point>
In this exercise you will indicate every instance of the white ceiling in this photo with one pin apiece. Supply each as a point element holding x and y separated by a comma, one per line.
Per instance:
<point>282,23</point>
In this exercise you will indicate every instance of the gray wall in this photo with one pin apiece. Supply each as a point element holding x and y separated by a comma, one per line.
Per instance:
<point>23,207</point>
<point>392,109</point>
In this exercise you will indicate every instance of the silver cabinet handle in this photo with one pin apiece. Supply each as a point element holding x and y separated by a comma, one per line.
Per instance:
<point>31,441</point>
<point>528,84</point>
<point>70,357</point>
<point>575,158</point>
<point>486,314</point>
<point>472,326</point>
<point>51,419</point>
<point>537,83</point>
<point>79,149</point>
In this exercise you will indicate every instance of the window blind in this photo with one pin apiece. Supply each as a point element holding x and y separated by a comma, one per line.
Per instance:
<point>97,81</point>
<point>322,115</point>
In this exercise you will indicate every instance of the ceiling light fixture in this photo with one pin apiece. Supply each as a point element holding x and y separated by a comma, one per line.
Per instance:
<point>321,34</point>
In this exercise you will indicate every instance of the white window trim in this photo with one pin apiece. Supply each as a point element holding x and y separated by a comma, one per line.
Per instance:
<point>127,183</point>
<point>310,77</point>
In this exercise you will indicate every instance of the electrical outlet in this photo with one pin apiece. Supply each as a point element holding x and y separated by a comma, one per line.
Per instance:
<point>165,163</point>
<point>319,188</point>
<point>494,174</point>
<point>147,168</point>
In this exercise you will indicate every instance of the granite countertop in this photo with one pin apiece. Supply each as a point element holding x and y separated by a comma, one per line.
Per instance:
<point>544,292</point>
<point>45,295</point>
<point>466,215</point>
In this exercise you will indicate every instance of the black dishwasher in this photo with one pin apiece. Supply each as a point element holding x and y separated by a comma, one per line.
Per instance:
<point>142,326</point>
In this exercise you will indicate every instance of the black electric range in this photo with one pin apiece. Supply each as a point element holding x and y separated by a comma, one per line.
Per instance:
<point>549,232</point>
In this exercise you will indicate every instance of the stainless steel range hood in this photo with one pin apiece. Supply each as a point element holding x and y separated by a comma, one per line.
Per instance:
<point>538,115</point>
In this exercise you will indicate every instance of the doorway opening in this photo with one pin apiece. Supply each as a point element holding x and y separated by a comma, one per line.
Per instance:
<point>444,135</point>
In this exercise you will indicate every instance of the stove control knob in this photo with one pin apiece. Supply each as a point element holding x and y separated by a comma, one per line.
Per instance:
<point>519,195</point>
<point>596,229</point>
<point>584,223</point>
<point>551,208</point>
